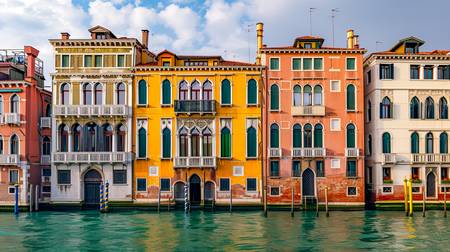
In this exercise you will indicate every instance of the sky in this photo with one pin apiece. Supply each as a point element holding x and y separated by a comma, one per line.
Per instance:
<point>224,27</point>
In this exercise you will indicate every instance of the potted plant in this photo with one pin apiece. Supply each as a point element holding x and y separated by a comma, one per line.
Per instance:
<point>416,181</point>
<point>388,181</point>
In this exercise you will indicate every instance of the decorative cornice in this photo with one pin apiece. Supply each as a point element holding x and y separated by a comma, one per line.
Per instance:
<point>94,42</point>
<point>312,51</point>
<point>14,83</point>
<point>374,57</point>
<point>199,68</point>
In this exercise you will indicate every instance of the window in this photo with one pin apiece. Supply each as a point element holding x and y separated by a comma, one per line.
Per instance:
<point>65,61</point>
<point>320,169</point>
<point>414,142</point>
<point>297,99</point>
<point>195,142</point>
<point>443,143</point>
<point>226,92</point>
<point>64,94</point>
<point>386,71</point>
<point>63,177</point>
<point>252,92</point>
<point>318,136</point>
<point>251,185</point>
<point>351,168</point>
<point>195,91</point>
<point>297,136</point>
<point>120,60</point>
<point>274,64</point>
<point>415,173</point>
<point>1,105</point>
<point>142,143</point>
<point>46,149</point>
<point>224,184</point>
<point>166,63</point>
<point>107,137</point>
<point>351,98</point>
<point>183,92</point>
<point>274,97</point>
<point>183,142</point>
<point>335,163</point>
<point>428,72</point>
<point>274,136</point>
<point>307,64</point>
<point>46,172</point>
<point>207,91</point>
<point>120,93</point>
<point>142,92</point>
<point>443,108</point>
<point>98,94</point>
<point>307,136</point>
<point>87,94</point>
<point>87,60</point>
<point>429,108</point>
<point>369,111</point>
<point>13,176</point>
<point>369,147</point>
<point>444,72</point>
<point>274,191</point>
<point>352,191</point>
<point>165,185</point>
<point>251,142</point>
<point>307,45</point>
<point>444,173</point>
<point>141,184</point>
<point>351,136</point>
<point>386,108</point>
<point>1,145</point>
<point>166,96</point>
<point>207,142</point>
<point>429,143</point>
<point>386,139</point>
<point>414,108</point>
<point>317,95</point>
<point>14,145</point>
<point>335,86</point>
<point>351,64</point>
<point>166,143</point>
<point>387,175</point>
<point>120,176</point>
<point>46,189</point>
<point>369,77</point>
<point>296,168</point>
<point>307,96</point>
<point>91,137</point>
<point>98,60</point>
<point>15,101</point>
<point>335,124</point>
<point>296,63</point>
<point>274,168</point>
<point>414,72</point>
<point>238,171</point>
<point>76,138</point>
<point>153,171</point>
<point>225,142</point>
<point>318,64</point>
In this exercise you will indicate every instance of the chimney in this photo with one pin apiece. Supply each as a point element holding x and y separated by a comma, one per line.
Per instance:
<point>65,35</point>
<point>356,41</point>
<point>145,38</point>
<point>350,39</point>
<point>259,39</point>
<point>32,54</point>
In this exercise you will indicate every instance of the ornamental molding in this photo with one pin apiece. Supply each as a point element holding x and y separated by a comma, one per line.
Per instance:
<point>199,123</point>
<point>199,68</point>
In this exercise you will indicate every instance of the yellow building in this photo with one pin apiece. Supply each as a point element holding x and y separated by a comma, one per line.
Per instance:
<point>197,131</point>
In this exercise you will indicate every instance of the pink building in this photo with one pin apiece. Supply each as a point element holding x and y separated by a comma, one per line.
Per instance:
<point>25,120</point>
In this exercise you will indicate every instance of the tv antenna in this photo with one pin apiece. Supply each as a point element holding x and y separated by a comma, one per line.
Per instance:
<point>333,15</point>
<point>311,9</point>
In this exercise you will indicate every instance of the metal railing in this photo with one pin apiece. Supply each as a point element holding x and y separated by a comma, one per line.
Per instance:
<point>92,157</point>
<point>186,162</point>
<point>193,106</point>
<point>92,110</point>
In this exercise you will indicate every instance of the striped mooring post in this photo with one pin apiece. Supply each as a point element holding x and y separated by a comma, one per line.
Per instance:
<point>106,196</point>
<point>16,196</point>
<point>101,197</point>
<point>186,198</point>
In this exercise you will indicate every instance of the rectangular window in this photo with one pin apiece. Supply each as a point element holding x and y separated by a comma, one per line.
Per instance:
<point>11,190</point>
<point>274,168</point>
<point>46,172</point>
<point>46,189</point>
<point>224,184</point>
<point>414,72</point>
<point>387,175</point>
<point>120,60</point>
<point>87,60</point>
<point>296,64</point>
<point>141,184</point>
<point>428,72</point>
<point>351,168</point>
<point>335,86</point>
<point>274,64</point>
<point>369,77</point>
<point>387,190</point>
<point>415,175</point>
<point>98,60</point>
<point>166,63</point>
<point>444,72</point>
<point>274,191</point>
<point>153,171</point>
<point>13,176</point>
<point>318,64</point>
<point>320,169</point>
<point>335,124</point>
<point>386,71</point>
<point>307,64</point>
<point>238,171</point>
<point>64,177</point>
<point>296,168</point>
<point>352,191</point>
<point>335,163</point>
<point>444,174</point>
<point>165,185</point>
<point>307,45</point>
<point>351,64</point>
<point>251,185</point>
<point>119,176</point>
<point>65,61</point>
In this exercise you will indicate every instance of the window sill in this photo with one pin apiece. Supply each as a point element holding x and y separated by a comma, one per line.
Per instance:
<point>166,105</point>
<point>63,184</point>
<point>226,105</point>
<point>252,105</point>
<point>120,184</point>
<point>166,158</point>
<point>275,111</point>
<point>226,158</point>
<point>251,158</point>
<point>141,158</point>
<point>142,105</point>
<point>275,177</point>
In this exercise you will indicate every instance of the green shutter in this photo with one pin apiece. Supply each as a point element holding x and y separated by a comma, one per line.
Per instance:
<point>251,142</point>
<point>443,143</point>
<point>166,99</point>
<point>142,92</point>
<point>386,143</point>
<point>274,97</point>
<point>318,138</point>
<point>350,136</point>
<point>307,64</point>
<point>166,143</point>
<point>226,92</point>
<point>142,145</point>
<point>296,64</point>
<point>65,61</point>
<point>351,97</point>
<point>87,60</point>
<point>252,92</point>
<point>414,143</point>
<point>98,61</point>
<point>274,136</point>
<point>225,143</point>
<point>274,64</point>
<point>318,64</point>
<point>351,63</point>
<point>120,60</point>
<point>297,136</point>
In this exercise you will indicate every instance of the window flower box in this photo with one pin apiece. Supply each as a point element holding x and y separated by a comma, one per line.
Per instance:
<point>447,182</point>
<point>388,181</point>
<point>417,181</point>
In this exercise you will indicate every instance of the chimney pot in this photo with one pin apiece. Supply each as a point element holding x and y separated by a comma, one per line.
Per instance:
<point>145,38</point>
<point>65,35</point>
<point>350,39</point>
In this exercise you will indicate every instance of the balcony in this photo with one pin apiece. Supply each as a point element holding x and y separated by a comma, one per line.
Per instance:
<point>388,158</point>
<point>351,152</point>
<point>9,159</point>
<point>275,152</point>
<point>92,157</point>
<point>12,118</point>
<point>46,122</point>
<point>430,158</point>
<point>316,110</point>
<point>91,110</point>
<point>191,106</point>
<point>297,152</point>
<point>46,159</point>
<point>200,162</point>
<point>313,152</point>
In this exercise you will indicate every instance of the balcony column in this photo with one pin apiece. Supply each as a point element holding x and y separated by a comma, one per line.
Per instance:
<point>114,136</point>
<point>435,72</point>
<point>200,154</point>
<point>421,70</point>
<point>189,149</point>
<point>69,140</point>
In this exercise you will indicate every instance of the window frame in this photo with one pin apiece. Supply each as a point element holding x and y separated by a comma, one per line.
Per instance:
<point>292,63</point>
<point>256,95</point>
<point>137,184</point>
<point>69,59</point>
<point>256,185</point>
<point>58,176</point>
<point>95,60</point>
<point>220,184</point>
<point>160,184</point>
<point>115,182</point>
<point>355,64</point>
<point>331,86</point>
<point>221,93</point>
<point>279,64</point>
<point>124,61</point>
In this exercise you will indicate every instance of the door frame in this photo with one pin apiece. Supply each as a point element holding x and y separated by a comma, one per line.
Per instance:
<point>200,188</point>
<point>82,181</point>
<point>315,181</point>
<point>435,185</point>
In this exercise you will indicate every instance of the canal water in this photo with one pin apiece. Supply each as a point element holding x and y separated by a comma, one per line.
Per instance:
<point>204,231</point>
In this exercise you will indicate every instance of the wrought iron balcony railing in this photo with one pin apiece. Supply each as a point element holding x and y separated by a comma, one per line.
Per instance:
<point>193,106</point>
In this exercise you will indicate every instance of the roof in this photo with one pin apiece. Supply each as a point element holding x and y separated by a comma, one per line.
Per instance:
<point>101,29</point>
<point>410,39</point>
<point>434,52</point>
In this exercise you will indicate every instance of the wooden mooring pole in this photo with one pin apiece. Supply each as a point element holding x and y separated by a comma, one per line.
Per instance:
<point>292,201</point>
<point>317,207</point>
<point>405,195</point>
<point>326,202</point>
<point>445,202</point>
<point>159,198</point>
<point>423,201</point>
<point>36,199</point>
<point>231,198</point>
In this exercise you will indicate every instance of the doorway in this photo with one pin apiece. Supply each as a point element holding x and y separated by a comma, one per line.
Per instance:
<point>308,183</point>
<point>431,185</point>
<point>92,182</point>
<point>195,190</point>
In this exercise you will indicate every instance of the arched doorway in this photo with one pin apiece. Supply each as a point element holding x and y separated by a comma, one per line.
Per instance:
<point>209,191</point>
<point>308,183</point>
<point>194,189</point>
<point>431,185</point>
<point>92,181</point>
<point>179,191</point>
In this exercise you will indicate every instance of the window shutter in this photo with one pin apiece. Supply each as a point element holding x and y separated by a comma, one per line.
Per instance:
<point>226,92</point>
<point>391,110</point>
<point>381,110</point>
<point>381,72</point>
<point>392,71</point>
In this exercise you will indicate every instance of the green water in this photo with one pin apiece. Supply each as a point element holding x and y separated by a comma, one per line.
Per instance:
<point>203,231</point>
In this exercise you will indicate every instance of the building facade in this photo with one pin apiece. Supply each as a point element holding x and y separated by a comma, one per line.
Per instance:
<point>25,139</point>
<point>314,121</point>
<point>197,131</point>
<point>92,87</point>
<point>407,124</point>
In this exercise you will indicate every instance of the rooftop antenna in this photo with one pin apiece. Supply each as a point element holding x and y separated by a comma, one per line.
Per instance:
<point>333,15</point>
<point>310,20</point>
<point>376,45</point>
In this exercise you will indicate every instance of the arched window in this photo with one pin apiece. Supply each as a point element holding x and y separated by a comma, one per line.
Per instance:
<point>252,92</point>
<point>317,95</point>
<point>142,92</point>
<point>121,133</point>
<point>183,142</point>
<point>225,142</point>
<point>207,142</point>
<point>195,142</point>
<point>414,142</point>
<point>166,143</point>
<point>64,94</point>
<point>207,91</point>
<point>274,97</point>
<point>87,94</point>
<point>318,136</point>
<point>274,136</point>
<point>183,93</point>
<point>443,108</point>
<point>90,137</point>
<point>15,101</point>
<point>386,139</point>
<point>120,93</point>
<point>429,143</point>
<point>98,94</point>
<point>251,142</point>
<point>297,136</point>
<point>297,99</point>
<point>443,143</point>
<point>307,136</point>
<point>107,137</point>
<point>351,136</point>
<point>369,111</point>
<point>63,137</point>
<point>48,110</point>
<point>307,96</point>
<point>76,137</point>
<point>142,143</point>
<point>166,92</point>
<point>414,108</point>
<point>46,146</point>
<point>195,91</point>
<point>226,92</point>
<point>14,145</point>
<point>351,97</point>
<point>1,105</point>
<point>429,108</point>
<point>369,143</point>
<point>385,108</point>
<point>1,145</point>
